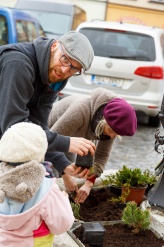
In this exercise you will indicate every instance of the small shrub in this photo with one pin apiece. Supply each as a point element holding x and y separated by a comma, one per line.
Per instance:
<point>151,178</point>
<point>136,218</point>
<point>130,177</point>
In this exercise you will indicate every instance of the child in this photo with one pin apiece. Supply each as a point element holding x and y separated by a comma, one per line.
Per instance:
<point>32,208</point>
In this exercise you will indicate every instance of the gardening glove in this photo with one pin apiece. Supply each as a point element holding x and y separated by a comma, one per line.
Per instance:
<point>83,192</point>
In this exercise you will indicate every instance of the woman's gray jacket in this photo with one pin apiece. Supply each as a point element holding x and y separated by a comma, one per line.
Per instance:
<point>73,115</point>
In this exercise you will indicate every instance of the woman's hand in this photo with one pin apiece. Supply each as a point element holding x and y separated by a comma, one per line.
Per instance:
<point>83,192</point>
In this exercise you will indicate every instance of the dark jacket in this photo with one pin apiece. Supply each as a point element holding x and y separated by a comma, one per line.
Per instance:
<point>25,94</point>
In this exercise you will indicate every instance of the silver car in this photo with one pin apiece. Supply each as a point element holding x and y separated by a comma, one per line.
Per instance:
<point>129,59</point>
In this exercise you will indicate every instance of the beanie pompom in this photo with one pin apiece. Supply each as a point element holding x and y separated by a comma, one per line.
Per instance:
<point>21,188</point>
<point>121,117</point>
<point>2,196</point>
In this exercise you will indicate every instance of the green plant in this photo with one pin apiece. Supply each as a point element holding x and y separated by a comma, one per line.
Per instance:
<point>136,218</point>
<point>129,177</point>
<point>151,178</point>
<point>76,210</point>
<point>120,199</point>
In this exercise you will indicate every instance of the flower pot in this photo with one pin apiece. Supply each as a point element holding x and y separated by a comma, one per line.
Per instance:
<point>93,233</point>
<point>115,189</point>
<point>134,193</point>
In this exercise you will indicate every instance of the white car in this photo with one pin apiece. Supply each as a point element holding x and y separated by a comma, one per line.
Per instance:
<point>129,59</point>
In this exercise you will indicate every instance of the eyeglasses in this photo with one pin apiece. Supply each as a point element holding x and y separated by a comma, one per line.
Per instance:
<point>65,62</point>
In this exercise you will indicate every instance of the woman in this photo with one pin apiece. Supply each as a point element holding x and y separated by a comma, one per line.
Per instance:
<point>102,116</point>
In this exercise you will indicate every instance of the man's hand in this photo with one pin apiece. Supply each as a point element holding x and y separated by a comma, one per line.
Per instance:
<point>70,183</point>
<point>81,146</point>
<point>83,192</point>
<point>76,171</point>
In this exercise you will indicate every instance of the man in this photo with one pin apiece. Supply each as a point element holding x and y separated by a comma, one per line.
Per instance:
<point>31,75</point>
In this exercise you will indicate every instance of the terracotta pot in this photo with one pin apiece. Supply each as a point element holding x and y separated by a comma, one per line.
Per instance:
<point>135,193</point>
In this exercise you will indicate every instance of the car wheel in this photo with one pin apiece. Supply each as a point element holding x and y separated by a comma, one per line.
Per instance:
<point>154,121</point>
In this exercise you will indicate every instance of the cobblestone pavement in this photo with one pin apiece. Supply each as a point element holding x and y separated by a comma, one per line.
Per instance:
<point>136,151</point>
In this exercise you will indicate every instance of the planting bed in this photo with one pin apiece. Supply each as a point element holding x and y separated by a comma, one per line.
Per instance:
<point>119,235</point>
<point>98,206</point>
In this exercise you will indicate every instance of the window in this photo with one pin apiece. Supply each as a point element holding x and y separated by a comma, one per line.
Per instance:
<point>162,43</point>
<point>3,31</point>
<point>21,31</point>
<point>41,31</point>
<point>31,31</point>
<point>26,31</point>
<point>124,45</point>
<point>157,1</point>
<point>52,23</point>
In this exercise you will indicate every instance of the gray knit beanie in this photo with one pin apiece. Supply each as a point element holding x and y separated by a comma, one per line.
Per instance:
<point>78,47</point>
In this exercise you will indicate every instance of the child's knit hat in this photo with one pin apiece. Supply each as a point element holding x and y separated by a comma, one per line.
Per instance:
<point>23,142</point>
<point>22,147</point>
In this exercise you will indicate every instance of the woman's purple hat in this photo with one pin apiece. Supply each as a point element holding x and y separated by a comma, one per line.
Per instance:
<point>121,117</point>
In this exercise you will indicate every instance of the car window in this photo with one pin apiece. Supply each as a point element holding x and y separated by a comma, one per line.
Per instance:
<point>3,31</point>
<point>41,31</point>
<point>21,31</point>
<point>26,31</point>
<point>31,30</point>
<point>162,44</point>
<point>121,44</point>
<point>53,23</point>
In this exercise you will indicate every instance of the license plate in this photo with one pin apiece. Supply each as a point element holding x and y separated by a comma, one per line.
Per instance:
<point>106,81</point>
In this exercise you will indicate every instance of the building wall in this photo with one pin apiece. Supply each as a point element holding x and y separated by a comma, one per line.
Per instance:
<point>9,3</point>
<point>133,14</point>
<point>94,9</point>
<point>97,9</point>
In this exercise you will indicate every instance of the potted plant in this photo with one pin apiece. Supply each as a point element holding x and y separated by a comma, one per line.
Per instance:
<point>133,183</point>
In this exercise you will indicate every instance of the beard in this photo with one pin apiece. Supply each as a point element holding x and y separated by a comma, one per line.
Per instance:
<point>52,65</point>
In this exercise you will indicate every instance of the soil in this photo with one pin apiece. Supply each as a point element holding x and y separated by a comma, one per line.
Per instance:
<point>98,207</point>
<point>119,235</point>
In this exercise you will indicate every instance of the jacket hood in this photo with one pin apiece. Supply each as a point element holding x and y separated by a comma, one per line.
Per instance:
<point>42,48</point>
<point>99,97</point>
<point>21,182</point>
